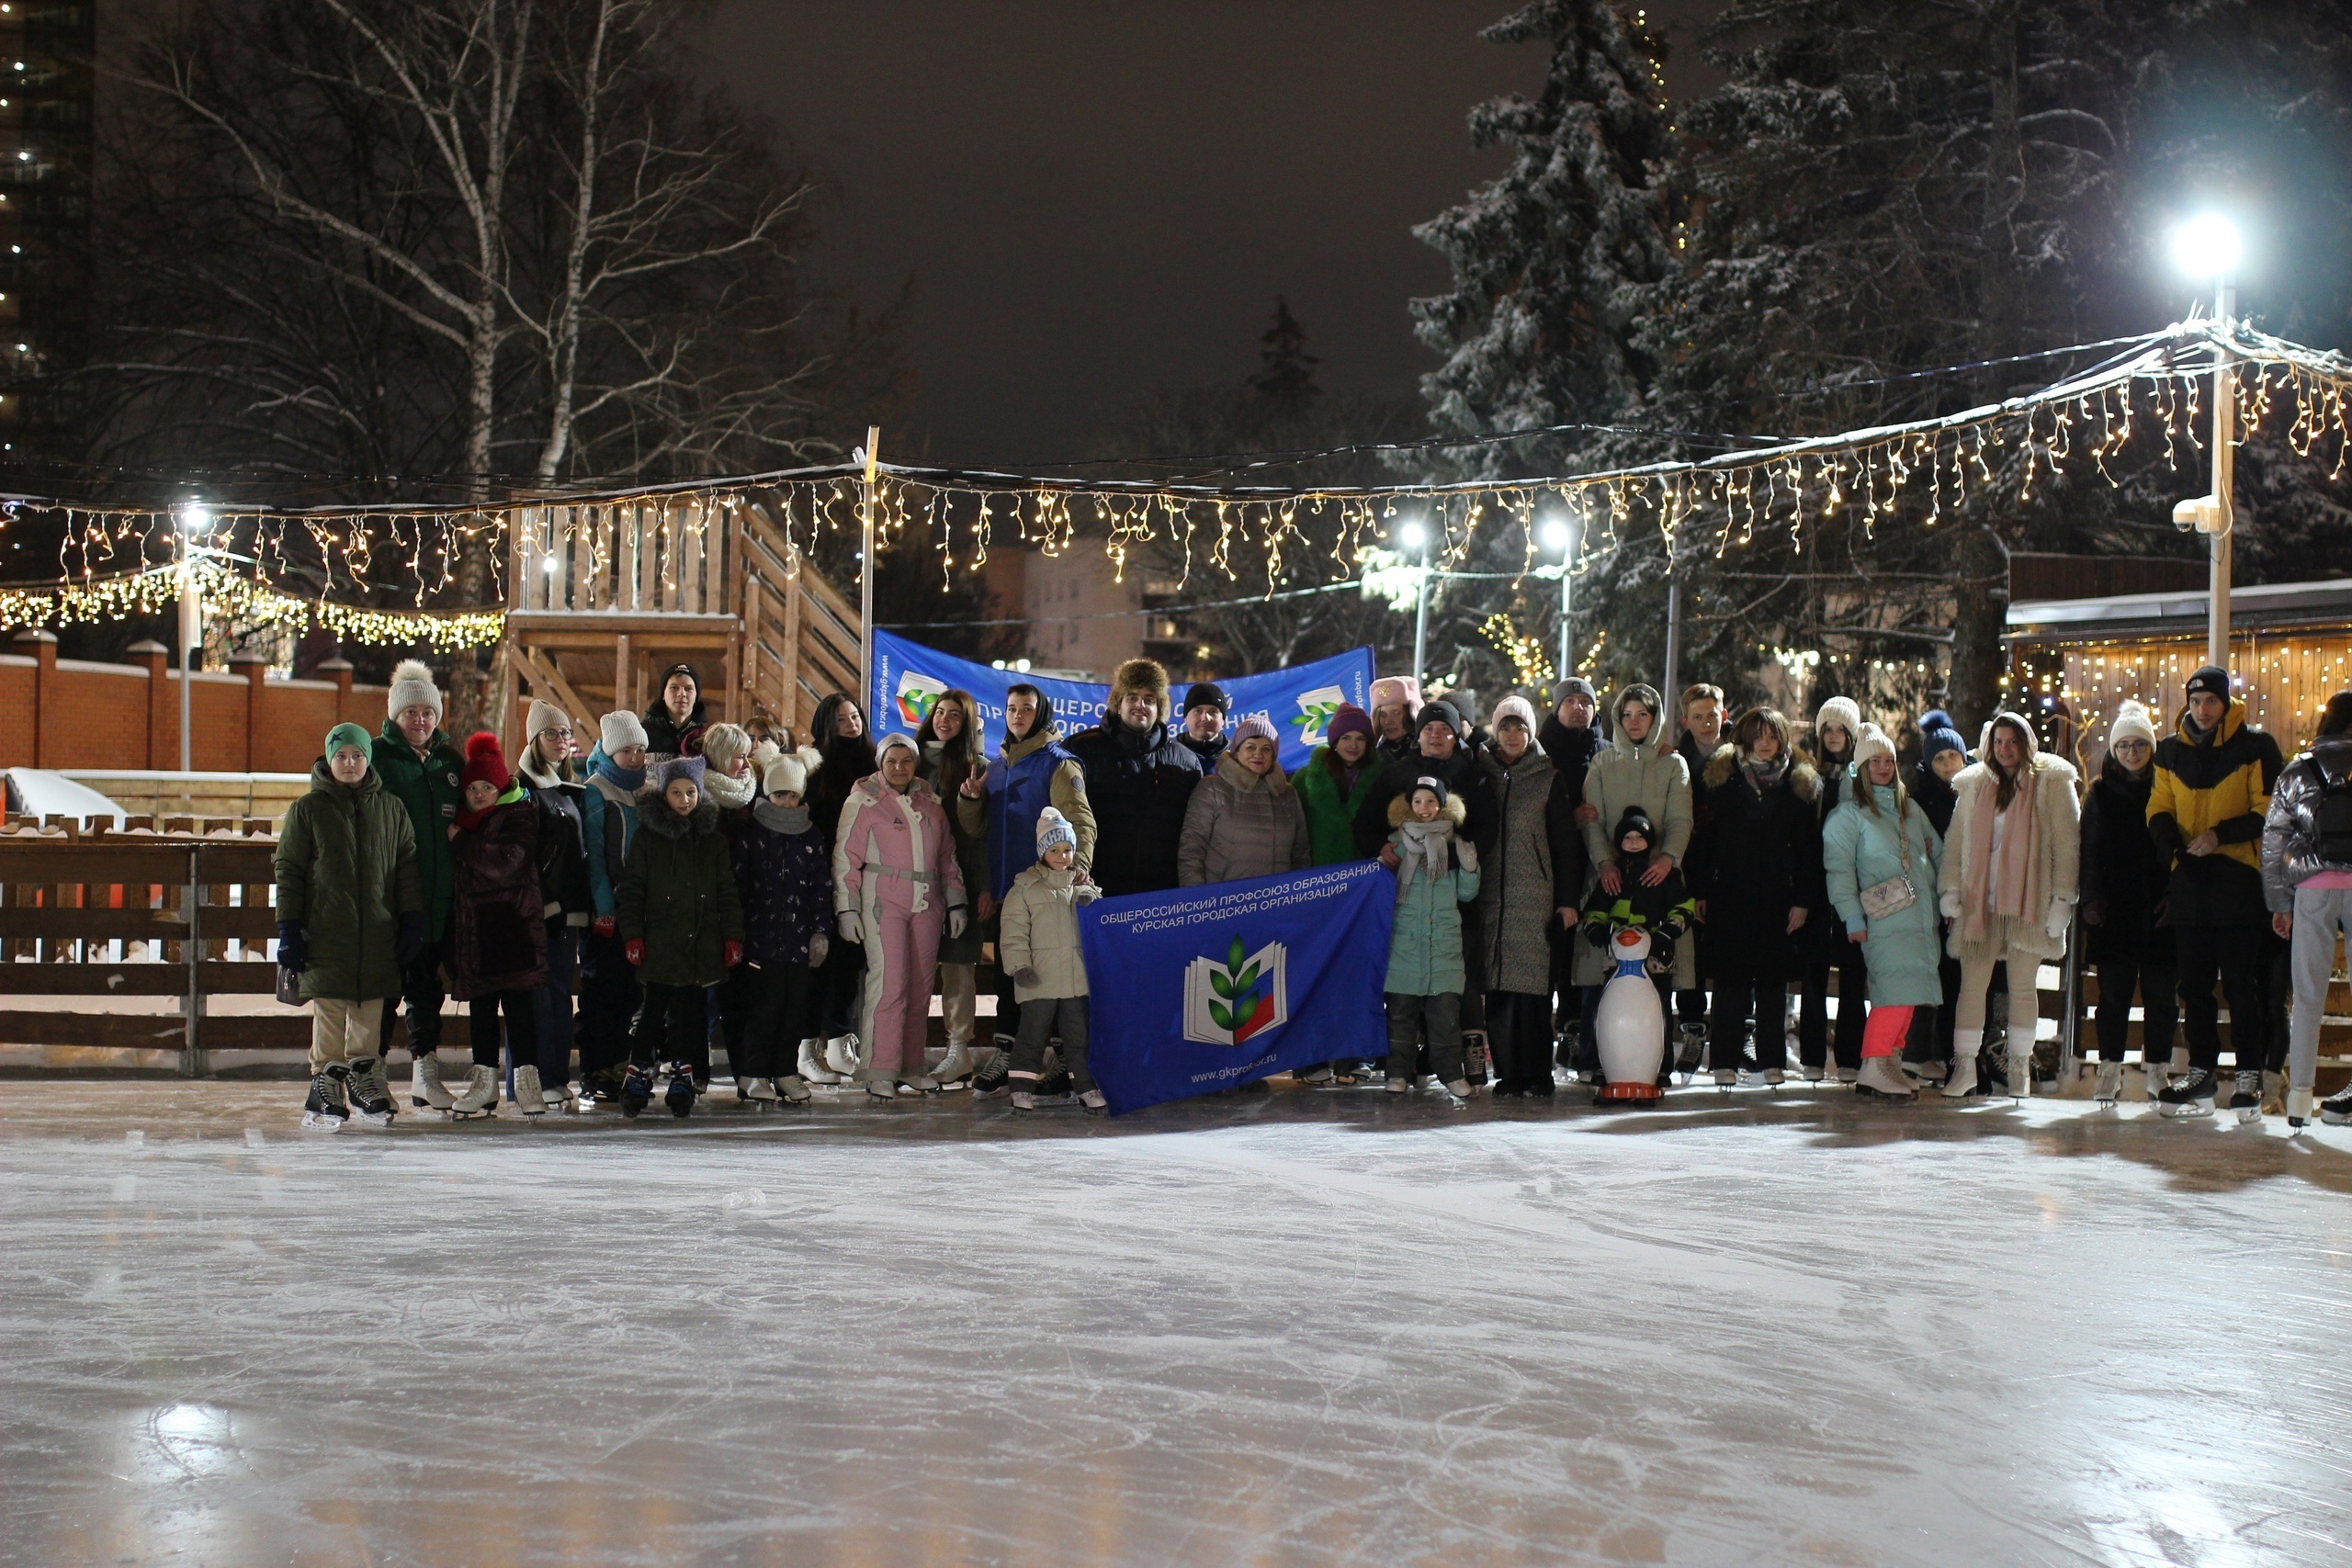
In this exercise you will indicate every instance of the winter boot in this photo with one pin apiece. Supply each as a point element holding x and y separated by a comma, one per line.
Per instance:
<point>794,1090</point>
<point>1849,1075</point>
<point>1320,1075</point>
<point>425,1086</point>
<point>2190,1096</point>
<point>325,1107</point>
<point>1093,1100</point>
<point>1811,1072</point>
<point>680,1096</point>
<point>954,1069</point>
<point>2337,1108</point>
<point>2108,1089</point>
<point>1460,1088</point>
<point>1962,1081</point>
<point>480,1097</point>
<point>637,1091</point>
<point>759,1091</point>
<point>371,1099</point>
<point>2245,1097</point>
<point>812,1065</point>
<point>1023,1101</point>
<point>1881,1077</point>
<point>840,1055</point>
<point>528,1100</point>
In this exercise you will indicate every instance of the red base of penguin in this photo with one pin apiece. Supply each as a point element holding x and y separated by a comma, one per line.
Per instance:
<point>1640,1092</point>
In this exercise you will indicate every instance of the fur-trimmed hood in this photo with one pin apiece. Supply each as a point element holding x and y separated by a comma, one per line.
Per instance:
<point>1401,808</point>
<point>654,816</point>
<point>1801,775</point>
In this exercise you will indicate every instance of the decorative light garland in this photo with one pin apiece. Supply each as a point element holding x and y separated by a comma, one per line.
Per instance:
<point>156,590</point>
<point>1716,505</point>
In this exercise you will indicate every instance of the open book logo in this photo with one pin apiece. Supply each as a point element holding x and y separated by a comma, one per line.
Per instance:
<point>1239,999</point>
<point>1314,711</point>
<point>916,693</point>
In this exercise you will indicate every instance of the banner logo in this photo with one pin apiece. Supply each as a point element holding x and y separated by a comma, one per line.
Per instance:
<point>916,693</point>
<point>1314,711</point>
<point>1233,1002</point>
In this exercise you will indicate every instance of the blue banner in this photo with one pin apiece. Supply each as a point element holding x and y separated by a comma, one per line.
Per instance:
<point>1298,702</point>
<point>1205,987</point>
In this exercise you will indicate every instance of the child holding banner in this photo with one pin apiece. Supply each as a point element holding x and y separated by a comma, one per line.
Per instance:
<point>1037,943</point>
<point>1437,873</point>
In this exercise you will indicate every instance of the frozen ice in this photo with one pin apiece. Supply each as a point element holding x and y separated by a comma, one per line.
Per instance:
<point>1276,1326</point>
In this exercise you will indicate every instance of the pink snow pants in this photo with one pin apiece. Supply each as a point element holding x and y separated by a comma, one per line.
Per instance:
<point>901,952</point>
<point>1883,1030</point>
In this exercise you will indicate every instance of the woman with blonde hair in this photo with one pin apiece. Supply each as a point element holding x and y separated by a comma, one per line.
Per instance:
<point>2010,876</point>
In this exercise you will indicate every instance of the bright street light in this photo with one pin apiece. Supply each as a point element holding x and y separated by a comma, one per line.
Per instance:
<point>2207,246</point>
<point>1553,535</point>
<point>195,518</point>
<point>1412,535</point>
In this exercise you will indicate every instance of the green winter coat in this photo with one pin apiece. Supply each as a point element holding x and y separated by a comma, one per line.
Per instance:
<point>677,894</point>
<point>346,872</point>
<point>1425,944</point>
<point>428,787</point>
<point>1331,816</point>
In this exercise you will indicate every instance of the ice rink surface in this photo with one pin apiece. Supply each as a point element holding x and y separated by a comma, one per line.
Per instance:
<point>1281,1327</point>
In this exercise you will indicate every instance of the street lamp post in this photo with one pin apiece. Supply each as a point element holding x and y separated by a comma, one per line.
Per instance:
<point>2209,246</point>
<point>1561,535</point>
<point>1413,536</point>
<point>193,520</point>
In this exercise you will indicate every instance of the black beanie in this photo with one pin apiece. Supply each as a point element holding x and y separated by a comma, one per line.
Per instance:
<point>1205,695</point>
<point>1438,713</point>
<point>1634,820</point>
<point>1434,786</point>
<point>2213,679</point>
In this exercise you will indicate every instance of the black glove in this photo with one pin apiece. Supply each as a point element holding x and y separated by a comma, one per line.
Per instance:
<point>1599,934</point>
<point>1661,951</point>
<point>293,953</point>
<point>408,945</point>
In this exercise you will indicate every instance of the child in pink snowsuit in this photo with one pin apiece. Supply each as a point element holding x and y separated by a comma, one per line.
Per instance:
<point>895,885</point>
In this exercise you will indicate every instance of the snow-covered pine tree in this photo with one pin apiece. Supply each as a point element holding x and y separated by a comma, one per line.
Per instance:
<point>1551,261</point>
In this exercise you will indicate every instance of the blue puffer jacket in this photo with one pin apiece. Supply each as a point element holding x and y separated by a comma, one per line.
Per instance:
<point>1860,850</point>
<point>786,883</point>
<point>609,820</point>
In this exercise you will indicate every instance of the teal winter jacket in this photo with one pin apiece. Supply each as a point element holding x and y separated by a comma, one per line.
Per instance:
<point>1425,944</point>
<point>1859,850</point>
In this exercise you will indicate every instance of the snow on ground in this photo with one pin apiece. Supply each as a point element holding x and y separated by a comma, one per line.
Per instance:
<point>1281,1327</point>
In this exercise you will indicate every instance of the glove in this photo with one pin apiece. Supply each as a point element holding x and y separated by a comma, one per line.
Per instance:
<point>1024,975</point>
<point>733,953</point>
<point>819,946</point>
<point>408,945</point>
<point>604,925</point>
<point>1947,901</point>
<point>1084,893</point>
<point>1661,953</point>
<point>1598,933</point>
<point>853,927</point>
<point>634,951</point>
<point>2061,915</point>
<point>956,922</point>
<point>1467,854</point>
<point>293,953</point>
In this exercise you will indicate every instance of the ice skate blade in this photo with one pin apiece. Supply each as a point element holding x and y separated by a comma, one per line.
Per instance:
<point>321,1121</point>
<point>2192,1110</point>
<point>376,1119</point>
<point>2335,1118</point>
<point>485,1115</point>
<point>2250,1116</point>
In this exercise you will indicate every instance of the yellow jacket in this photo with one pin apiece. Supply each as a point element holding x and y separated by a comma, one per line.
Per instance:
<point>2223,785</point>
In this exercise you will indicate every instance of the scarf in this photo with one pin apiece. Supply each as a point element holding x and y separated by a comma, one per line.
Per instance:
<point>539,774</point>
<point>1423,850</point>
<point>469,820</point>
<point>792,819</point>
<point>730,792</point>
<point>2020,880</point>
<point>629,779</point>
<point>1764,776</point>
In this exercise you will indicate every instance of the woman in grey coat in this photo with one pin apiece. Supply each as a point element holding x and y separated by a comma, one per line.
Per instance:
<point>1536,852</point>
<point>1243,819</point>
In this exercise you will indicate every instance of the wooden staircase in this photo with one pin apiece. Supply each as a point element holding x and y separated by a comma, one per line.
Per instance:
<point>601,598</point>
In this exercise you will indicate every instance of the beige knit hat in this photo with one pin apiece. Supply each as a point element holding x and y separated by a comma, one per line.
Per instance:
<point>413,687</point>
<point>546,715</point>
<point>784,773</point>
<point>1872,742</point>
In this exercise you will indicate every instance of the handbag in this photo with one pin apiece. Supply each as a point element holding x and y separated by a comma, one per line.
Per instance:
<point>1898,892</point>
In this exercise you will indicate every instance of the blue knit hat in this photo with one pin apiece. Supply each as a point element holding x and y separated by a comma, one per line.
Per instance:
<point>1938,735</point>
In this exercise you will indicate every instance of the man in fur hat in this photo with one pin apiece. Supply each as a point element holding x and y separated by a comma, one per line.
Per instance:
<point>1140,779</point>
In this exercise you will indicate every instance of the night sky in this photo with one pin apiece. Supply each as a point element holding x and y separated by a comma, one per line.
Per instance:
<point>1096,198</point>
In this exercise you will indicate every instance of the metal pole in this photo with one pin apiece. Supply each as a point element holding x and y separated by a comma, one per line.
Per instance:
<point>1567,603</point>
<point>191,628</point>
<point>2217,629</point>
<point>1673,714</point>
<point>1421,622</point>
<point>866,576</point>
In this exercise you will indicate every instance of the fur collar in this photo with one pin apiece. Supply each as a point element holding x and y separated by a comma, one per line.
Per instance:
<point>654,816</point>
<point>1800,777</point>
<point>1229,769</point>
<point>1401,808</point>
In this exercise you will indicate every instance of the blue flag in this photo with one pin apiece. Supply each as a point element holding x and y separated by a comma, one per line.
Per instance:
<point>1298,701</point>
<point>1205,988</point>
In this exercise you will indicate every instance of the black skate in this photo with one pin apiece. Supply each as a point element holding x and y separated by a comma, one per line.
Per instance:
<point>2245,1098</point>
<point>325,1110</point>
<point>2337,1108</point>
<point>371,1099</point>
<point>680,1096</point>
<point>2189,1096</point>
<point>637,1091</point>
<point>989,1081</point>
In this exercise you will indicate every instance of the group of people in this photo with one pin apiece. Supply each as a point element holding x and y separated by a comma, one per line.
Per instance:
<point>689,882</point>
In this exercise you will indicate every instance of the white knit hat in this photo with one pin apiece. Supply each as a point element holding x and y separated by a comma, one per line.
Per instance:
<point>619,731</point>
<point>892,741</point>
<point>784,773</point>
<point>1843,712</point>
<point>1053,828</point>
<point>546,716</point>
<point>411,687</point>
<point>2131,719</point>
<point>1517,708</point>
<point>1872,742</point>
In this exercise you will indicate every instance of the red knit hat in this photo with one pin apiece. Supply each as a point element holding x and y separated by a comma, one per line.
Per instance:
<point>484,761</point>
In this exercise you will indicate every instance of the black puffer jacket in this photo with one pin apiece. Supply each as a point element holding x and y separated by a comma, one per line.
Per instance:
<point>563,845</point>
<point>2124,875</point>
<point>1762,859</point>
<point>1140,782</point>
<point>1465,775</point>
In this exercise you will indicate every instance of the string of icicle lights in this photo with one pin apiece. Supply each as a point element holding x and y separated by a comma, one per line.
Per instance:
<point>2157,389</point>
<point>247,603</point>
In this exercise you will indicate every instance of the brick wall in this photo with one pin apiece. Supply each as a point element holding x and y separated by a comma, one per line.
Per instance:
<point>66,713</point>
